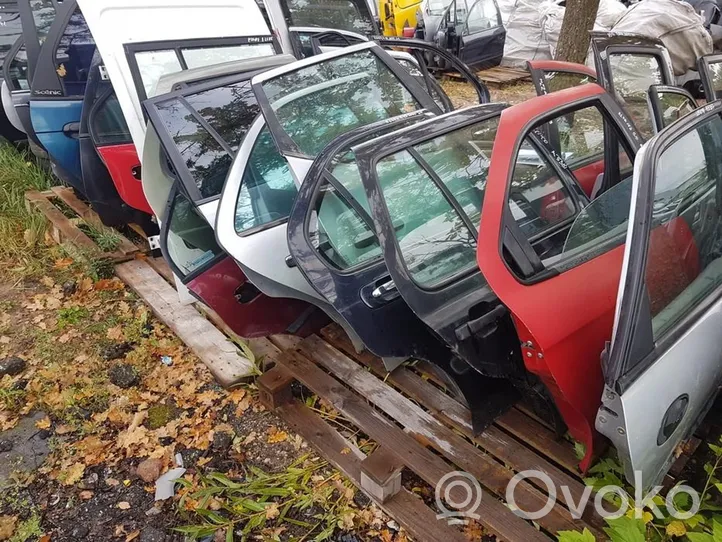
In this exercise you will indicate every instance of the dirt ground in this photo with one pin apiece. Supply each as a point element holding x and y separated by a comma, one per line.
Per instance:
<point>98,399</point>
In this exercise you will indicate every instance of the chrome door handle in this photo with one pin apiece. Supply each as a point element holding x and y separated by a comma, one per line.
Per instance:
<point>384,289</point>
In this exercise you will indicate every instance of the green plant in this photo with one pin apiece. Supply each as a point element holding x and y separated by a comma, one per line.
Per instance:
<point>71,316</point>
<point>264,499</point>
<point>28,529</point>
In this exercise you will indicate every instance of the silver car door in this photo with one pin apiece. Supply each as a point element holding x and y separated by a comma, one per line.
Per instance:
<point>664,365</point>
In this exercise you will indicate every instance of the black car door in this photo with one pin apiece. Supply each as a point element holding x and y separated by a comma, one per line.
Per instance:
<point>626,67</point>
<point>482,35</point>
<point>710,71</point>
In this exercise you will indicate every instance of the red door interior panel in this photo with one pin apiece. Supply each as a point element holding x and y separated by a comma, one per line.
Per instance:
<point>261,315</point>
<point>587,175</point>
<point>121,161</point>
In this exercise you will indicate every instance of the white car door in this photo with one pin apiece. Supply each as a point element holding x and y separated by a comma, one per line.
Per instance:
<point>305,105</point>
<point>141,40</point>
<point>664,365</point>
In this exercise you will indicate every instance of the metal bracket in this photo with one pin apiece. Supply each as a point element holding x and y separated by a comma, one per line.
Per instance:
<point>154,242</point>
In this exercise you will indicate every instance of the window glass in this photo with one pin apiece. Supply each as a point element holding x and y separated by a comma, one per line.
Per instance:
<point>482,16</point>
<point>152,65</point>
<point>674,106</point>
<point>191,242</point>
<point>556,81</point>
<point>74,54</point>
<point>632,75</point>
<point>326,41</point>
<point>229,109</point>
<point>683,258</point>
<point>108,123</point>
<point>43,16</point>
<point>437,7</point>
<point>715,72</point>
<point>538,199</point>
<point>204,157</point>
<point>267,188</point>
<point>199,57</point>
<point>351,15</point>
<point>434,241</point>
<point>581,135</point>
<point>316,104</point>
<point>18,70</point>
<point>10,29</point>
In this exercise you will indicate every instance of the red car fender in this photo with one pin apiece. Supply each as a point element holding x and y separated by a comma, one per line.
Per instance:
<point>562,322</point>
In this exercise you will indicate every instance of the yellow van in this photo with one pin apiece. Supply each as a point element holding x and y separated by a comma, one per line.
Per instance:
<point>397,15</point>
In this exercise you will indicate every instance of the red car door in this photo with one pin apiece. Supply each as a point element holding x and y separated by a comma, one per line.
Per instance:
<point>552,75</point>
<point>560,291</point>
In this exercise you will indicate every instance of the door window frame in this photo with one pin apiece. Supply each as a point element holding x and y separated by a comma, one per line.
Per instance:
<point>131,49</point>
<point>539,69</point>
<point>654,102</point>
<point>465,28</point>
<point>633,350</point>
<point>703,64</point>
<point>284,142</point>
<point>185,178</point>
<point>12,54</point>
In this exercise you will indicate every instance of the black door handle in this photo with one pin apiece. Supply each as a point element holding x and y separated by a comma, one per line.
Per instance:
<point>72,129</point>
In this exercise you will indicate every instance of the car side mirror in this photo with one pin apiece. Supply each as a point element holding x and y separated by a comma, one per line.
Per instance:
<point>667,104</point>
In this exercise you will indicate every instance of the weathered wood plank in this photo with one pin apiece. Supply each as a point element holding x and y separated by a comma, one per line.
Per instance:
<point>213,348</point>
<point>483,467</point>
<point>65,231</point>
<point>525,429</point>
<point>67,196</point>
<point>427,465</point>
<point>407,509</point>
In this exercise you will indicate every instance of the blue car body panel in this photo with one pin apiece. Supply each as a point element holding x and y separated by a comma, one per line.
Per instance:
<point>49,118</point>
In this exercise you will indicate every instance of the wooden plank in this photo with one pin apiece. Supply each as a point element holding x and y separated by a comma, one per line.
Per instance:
<point>502,75</point>
<point>483,467</point>
<point>381,474</point>
<point>219,354</point>
<point>67,196</point>
<point>523,428</point>
<point>274,387</point>
<point>64,230</point>
<point>406,508</point>
<point>427,465</point>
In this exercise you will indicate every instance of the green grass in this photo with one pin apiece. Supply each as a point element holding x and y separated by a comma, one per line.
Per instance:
<point>20,229</point>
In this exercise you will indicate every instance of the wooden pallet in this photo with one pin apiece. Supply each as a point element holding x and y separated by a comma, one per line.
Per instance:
<point>64,229</point>
<point>501,75</point>
<point>430,434</point>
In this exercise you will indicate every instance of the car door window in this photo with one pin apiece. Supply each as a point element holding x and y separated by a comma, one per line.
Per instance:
<point>206,128</point>
<point>267,188</point>
<point>190,240</point>
<point>317,103</point>
<point>483,15</point>
<point>198,57</point>
<point>152,65</point>
<point>108,126</point>
<point>351,15</point>
<point>18,70</point>
<point>74,54</point>
<point>434,194</point>
<point>683,264</point>
<point>10,30</point>
<point>632,75</point>
<point>43,16</point>
<point>559,80</point>
<point>714,69</point>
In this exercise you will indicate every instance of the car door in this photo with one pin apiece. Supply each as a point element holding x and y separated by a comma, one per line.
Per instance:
<point>190,248</point>
<point>16,89</point>
<point>304,106</point>
<point>436,239</point>
<point>310,41</point>
<point>552,75</point>
<point>482,35</point>
<point>58,89</point>
<point>108,159</point>
<point>627,66</point>
<point>10,32</point>
<point>664,364</point>
<point>669,104</point>
<point>710,72</point>
<point>140,41</point>
<point>37,18</point>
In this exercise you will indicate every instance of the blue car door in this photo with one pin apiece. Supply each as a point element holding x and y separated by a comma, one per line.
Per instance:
<point>57,91</point>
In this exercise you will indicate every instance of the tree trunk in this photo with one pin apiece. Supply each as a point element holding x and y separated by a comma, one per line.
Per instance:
<point>574,36</point>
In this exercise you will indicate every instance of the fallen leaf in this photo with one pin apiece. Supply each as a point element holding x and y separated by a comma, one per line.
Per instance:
<point>43,424</point>
<point>63,263</point>
<point>109,284</point>
<point>44,538</point>
<point>86,495</point>
<point>115,333</point>
<point>275,436</point>
<point>132,536</point>
<point>112,482</point>
<point>124,505</point>
<point>346,451</point>
<point>4,339</point>
<point>7,526</point>
<point>64,429</point>
<point>272,511</point>
<point>73,474</point>
<point>86,284</point>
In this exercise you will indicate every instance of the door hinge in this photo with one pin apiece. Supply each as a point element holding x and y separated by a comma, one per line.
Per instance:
<point>154,242</point>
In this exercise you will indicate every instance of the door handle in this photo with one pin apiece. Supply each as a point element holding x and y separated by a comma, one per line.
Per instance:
<point>72,129</point>
<point>381,291</point>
